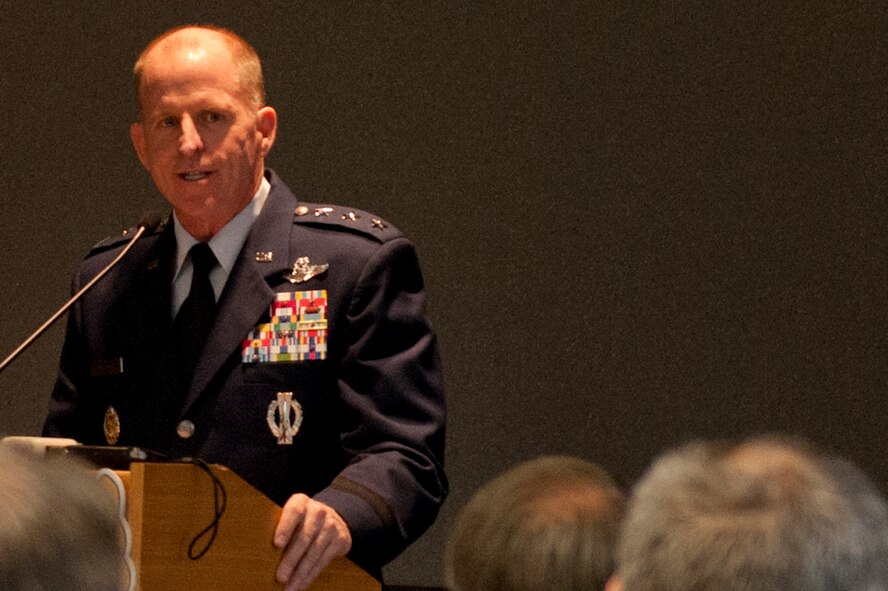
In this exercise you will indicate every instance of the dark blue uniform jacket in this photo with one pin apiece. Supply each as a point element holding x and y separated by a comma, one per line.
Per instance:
<point>372,434</point>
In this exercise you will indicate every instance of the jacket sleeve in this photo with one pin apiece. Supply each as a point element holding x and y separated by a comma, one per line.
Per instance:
<point>393,415</point>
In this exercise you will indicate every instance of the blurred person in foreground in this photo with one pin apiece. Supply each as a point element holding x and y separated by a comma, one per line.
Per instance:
<point>768,514</point>
<point>59,529</point>
<point>549,524</point>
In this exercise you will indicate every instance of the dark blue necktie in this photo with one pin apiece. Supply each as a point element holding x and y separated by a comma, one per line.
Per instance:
<point>195,318</point>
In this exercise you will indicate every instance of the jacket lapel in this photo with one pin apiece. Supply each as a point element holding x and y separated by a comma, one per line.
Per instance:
<point>247,295</point>
<point>149,297</point>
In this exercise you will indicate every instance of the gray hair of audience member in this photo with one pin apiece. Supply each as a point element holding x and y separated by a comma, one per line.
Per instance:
<point>550,523</point>
<point>58,527</point>
<point>768,514</point>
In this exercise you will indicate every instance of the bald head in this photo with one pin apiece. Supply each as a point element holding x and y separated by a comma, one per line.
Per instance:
<point>195,42</point>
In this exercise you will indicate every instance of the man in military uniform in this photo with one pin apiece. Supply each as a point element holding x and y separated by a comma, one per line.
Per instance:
<point>282,339</point>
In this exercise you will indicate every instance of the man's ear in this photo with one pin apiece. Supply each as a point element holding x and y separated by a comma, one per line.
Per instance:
<point>266,123</point>
<point>614,583</point>
<point>137,134</point>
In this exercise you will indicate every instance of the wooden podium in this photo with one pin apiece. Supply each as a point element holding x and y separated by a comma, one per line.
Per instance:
<point>168,504</point>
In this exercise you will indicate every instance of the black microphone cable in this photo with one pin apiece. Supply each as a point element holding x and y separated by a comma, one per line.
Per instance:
<point>120,458</point>
<point>220,502</point>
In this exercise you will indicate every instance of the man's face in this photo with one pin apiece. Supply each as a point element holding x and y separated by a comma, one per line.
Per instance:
<point>201,139</point>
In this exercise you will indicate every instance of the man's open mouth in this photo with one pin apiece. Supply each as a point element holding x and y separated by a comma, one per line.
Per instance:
<point>194,176</point>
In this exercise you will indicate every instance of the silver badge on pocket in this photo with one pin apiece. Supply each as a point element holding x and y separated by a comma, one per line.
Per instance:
<point>284,417</point>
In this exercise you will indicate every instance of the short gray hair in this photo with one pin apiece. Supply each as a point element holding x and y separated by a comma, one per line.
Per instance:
<point>769,514</point>
<point>58,528</point>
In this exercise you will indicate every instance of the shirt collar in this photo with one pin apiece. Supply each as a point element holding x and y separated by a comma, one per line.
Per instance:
<point>226,244</point>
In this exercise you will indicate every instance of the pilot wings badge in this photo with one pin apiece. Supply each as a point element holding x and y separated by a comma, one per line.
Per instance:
<point>303,270</point>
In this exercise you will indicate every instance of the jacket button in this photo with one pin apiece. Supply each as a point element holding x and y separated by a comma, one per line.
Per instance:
<point>185,429</point>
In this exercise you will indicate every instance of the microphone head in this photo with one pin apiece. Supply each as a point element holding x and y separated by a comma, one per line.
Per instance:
<point>150,221</point>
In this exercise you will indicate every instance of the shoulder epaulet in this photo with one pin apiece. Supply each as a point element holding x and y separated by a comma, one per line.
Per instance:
<point>120,238</point>
<point>348,219</point>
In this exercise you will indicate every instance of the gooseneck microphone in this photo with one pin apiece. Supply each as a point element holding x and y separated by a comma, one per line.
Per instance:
<point>148,223</point>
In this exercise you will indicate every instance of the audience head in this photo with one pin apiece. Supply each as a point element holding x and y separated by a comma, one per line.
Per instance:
<point>548,524</point>
<point>766,515</point>
<point>58,527</point>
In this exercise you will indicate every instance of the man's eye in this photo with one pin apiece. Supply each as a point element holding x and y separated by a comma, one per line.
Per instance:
<point>213,117</point>
<point>169,122</point>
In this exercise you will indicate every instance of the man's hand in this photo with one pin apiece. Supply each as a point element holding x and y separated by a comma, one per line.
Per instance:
<point>312,534</point>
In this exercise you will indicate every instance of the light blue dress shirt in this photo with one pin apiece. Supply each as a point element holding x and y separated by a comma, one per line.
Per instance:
<point>226,244</point>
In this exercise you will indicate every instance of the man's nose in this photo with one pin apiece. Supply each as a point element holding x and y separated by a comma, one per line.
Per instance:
<point>190,141</point>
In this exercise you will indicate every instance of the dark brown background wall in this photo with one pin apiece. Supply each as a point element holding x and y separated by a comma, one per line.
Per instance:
<point>640,222</point>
